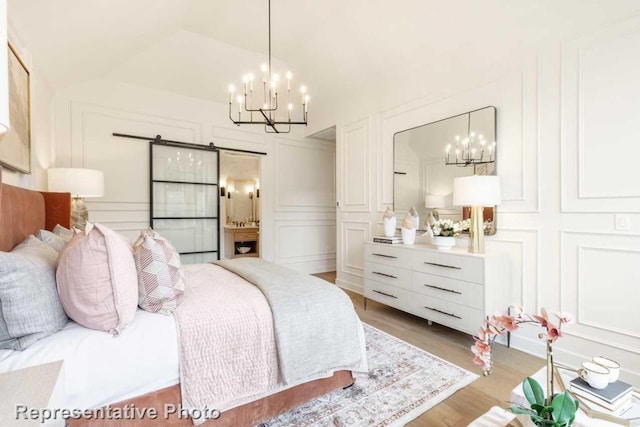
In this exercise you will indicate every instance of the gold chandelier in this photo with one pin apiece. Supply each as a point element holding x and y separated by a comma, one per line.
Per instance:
<point>266,109</point>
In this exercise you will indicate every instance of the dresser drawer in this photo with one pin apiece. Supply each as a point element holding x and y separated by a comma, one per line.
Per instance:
<point>462,267</point>
<point>446,313</point>
<point>456,291</point>
<point>386,294</point>
<point>394,276</point>
<point>245,237</point>
<point>388,254</point>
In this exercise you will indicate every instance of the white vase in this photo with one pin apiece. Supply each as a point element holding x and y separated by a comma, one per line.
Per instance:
<point>389,226</point>
<point>408,236</point>
<point>444,243</point>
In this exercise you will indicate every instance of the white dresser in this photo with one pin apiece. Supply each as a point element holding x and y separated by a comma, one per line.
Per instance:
<point>453,288</point>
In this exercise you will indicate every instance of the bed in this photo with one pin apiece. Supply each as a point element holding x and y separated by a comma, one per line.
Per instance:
<point>145,382</point>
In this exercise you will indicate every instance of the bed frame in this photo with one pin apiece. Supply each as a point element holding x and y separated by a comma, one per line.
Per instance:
<point>24,212</point>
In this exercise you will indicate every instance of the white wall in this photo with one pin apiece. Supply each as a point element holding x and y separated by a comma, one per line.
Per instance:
<point>41,122</point>
<point>296,177</point>
<point>568,133</point>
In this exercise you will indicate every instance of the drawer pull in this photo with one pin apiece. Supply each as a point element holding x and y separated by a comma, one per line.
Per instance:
<point>385,256</point>
<point>443,289</point>
<point>384,274</point>
<point>442,312</point>
<point>443,265</point>
<point>385,294</point>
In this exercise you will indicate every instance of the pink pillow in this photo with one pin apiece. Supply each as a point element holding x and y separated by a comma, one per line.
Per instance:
<point>97,280</point>
<point>160,273</point>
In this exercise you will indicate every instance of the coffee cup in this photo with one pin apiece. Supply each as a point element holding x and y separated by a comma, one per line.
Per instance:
<point>612,366</point>
<point>596,375</point>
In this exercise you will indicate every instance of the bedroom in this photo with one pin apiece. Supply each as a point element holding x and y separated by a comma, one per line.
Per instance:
<point>568,223</point>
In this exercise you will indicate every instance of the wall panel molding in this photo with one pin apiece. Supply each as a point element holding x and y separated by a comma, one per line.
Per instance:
<point>354,234</point>
<point>318,169</point>
<point>596,94</point>
<point>355,166</point>
<point>590,291</point>
<point>516,98</point>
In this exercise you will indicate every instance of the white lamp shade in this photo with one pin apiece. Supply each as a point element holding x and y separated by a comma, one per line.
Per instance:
<point>434,201</point>
<point>78,182</point>
<point>477,190</point>
<point>4,71</point>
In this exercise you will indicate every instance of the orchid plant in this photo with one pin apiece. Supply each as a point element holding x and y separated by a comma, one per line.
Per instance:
<point>557,410</point>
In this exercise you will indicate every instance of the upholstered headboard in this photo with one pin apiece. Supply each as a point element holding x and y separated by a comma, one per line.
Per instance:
<point>24,212</point>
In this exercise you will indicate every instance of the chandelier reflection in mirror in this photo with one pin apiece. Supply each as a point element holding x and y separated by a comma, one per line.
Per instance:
<point>471,150</point>
<point>266,110</point>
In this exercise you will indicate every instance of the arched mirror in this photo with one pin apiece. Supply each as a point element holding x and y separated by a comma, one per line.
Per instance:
<point>424,170</point>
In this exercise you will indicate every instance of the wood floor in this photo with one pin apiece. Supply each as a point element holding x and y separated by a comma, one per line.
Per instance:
<point>510,366</point>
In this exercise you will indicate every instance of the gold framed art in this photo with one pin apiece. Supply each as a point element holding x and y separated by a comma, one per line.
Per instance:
<point>15,146</point>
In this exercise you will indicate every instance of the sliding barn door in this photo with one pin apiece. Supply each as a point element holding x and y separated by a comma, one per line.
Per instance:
<point>184,199</point>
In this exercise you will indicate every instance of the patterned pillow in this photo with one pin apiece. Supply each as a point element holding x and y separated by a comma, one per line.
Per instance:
<point>29,305</point>
<point>160,273</point>
<point>97,280</point>
<point>52,239</point>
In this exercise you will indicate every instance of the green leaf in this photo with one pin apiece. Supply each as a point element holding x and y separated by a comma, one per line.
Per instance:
<point>523,411</point>
<point>564,408</point>
<point>532,391</point>
<point>538,408</point>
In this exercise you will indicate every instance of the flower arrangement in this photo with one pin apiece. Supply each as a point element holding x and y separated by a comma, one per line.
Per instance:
<point>556,410</point>
<point>443,227</point>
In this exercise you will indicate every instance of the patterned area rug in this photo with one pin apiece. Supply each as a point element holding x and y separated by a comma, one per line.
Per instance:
<point>403,382</point>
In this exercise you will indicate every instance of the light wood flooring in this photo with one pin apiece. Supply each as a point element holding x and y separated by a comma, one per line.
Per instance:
<point>510,366</point>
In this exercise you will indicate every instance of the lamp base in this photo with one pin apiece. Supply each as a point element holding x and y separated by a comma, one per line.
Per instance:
<point>79,213</point>
<point>476,230</point>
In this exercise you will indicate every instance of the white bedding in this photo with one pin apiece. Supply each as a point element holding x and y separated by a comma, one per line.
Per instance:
<point>99,369</point>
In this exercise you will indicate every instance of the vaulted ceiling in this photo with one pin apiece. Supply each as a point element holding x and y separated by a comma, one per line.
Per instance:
<point>341,48</point>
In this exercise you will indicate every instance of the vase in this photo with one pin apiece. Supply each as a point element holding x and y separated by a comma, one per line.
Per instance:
<point>408,235</point>
<point>389,226</point>
<point>444,243</point>
<point>525,420</point>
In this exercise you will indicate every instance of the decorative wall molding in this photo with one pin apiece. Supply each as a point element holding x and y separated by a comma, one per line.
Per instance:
<point>592,177</point>
<point>525,262</point>
<point>588,289</point>
<point>515,96</point>
<point>319,167</point>
<point>354,153</point>
<point>354,234</point>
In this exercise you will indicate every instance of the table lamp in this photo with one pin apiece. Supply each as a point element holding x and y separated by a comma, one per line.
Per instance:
<point>433,202</point>
<point>476,191</point>
<point>80,183</point>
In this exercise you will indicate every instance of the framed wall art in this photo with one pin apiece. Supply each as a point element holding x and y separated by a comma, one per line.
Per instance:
<point>15,147</point>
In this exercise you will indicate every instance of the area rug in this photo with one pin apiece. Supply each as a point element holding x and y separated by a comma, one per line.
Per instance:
<point>403,382</point>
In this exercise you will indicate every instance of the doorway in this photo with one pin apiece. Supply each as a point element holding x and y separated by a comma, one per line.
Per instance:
<point>240,205</point>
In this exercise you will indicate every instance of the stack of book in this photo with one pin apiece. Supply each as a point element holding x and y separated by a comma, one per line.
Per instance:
<point>615,399</point>
<point>389,240</point>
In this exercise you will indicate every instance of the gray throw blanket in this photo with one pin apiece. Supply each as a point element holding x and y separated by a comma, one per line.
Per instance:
<point>317,330</point>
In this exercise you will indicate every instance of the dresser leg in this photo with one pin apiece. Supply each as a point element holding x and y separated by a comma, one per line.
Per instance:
<point>365,303</point>
<point>429,322</point>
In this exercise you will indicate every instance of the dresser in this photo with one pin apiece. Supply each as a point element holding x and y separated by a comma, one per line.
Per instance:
<point>454,288</point>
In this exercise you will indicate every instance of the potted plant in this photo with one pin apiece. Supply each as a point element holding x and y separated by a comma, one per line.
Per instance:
<point>554,409</point>
<point>443,232</point>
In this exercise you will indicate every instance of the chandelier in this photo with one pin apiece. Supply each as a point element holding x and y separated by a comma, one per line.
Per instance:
<point>266,109</point>
<point>471,150</point>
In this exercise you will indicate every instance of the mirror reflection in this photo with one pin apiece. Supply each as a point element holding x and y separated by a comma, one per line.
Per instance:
<point>242,201</point>
<point>422,177</point>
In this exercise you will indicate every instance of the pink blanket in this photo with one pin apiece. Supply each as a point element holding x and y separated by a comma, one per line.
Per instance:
<point>227,348</point>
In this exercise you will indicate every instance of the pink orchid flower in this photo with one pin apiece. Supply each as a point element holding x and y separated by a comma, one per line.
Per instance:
<point>553,332</point>
<point>565,317</point>
<point>508,322</point>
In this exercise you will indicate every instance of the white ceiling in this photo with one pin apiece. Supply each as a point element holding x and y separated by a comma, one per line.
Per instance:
<point>343,48</point>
